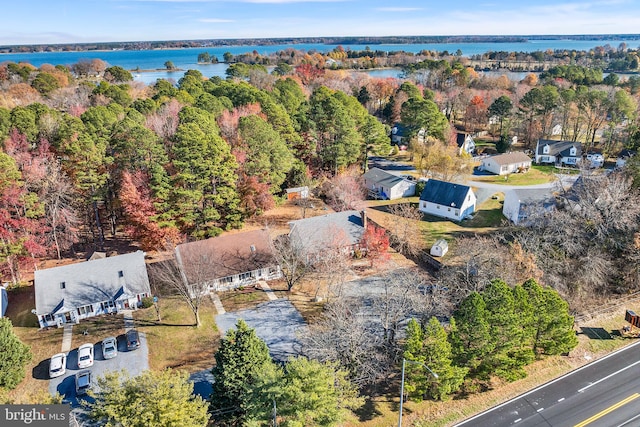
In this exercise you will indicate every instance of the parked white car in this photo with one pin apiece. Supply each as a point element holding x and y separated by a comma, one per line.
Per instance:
<point>85,356</point>
<point>57,365</point>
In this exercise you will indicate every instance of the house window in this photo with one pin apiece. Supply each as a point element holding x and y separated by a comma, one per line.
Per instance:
<point>545,149</point>
<point>63,285</point>
<point>107,305</point>
<point>248,275</point>
<point>86,309</point>
<point>253,248</point>
<point>437,206</point>
<point>227,279</point>
<point>572,151</point>
<point>120,273</point>
<point>457,212</point>
<point>448,209</point>
<point>48,317</point>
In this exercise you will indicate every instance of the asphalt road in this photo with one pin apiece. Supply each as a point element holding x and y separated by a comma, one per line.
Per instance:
<point>604,393</point>
<point>134,362</point>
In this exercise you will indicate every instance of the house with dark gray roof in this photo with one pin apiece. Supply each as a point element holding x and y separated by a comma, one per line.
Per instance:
<point>504,164</point>
<point>70,293</point>
<point>559,153</point>
<point>384,185</point>
<point>447,200</point>
<point>229,261</point>
<point>341,231</point>
<point>523,203</point>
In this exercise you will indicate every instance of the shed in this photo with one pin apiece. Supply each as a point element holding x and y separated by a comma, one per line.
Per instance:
<point>439,248</point>
<point>297,193</point>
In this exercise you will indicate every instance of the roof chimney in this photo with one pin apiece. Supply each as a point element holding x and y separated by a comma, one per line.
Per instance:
<point>363,216</point>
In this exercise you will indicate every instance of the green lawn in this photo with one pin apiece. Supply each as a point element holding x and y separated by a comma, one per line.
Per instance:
<point>174,342</point>
<point>533,177</point>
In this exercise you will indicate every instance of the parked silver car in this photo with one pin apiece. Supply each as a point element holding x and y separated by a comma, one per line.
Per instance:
<point>109,348</point>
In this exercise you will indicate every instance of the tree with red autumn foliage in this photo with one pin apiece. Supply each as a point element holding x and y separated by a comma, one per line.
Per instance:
<point>376,244</point>
<point>140,213</point>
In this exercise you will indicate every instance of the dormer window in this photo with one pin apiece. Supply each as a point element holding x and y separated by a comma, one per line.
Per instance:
<point>545,149</point>
<point>572,151</point>
<point>120,273</point>
<point>253,248</point>
<point>63,285</point>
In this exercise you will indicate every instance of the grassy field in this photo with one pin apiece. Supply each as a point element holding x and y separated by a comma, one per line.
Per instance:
<point>239,299</point>
<point>533,177</point>
<point>175,342</point>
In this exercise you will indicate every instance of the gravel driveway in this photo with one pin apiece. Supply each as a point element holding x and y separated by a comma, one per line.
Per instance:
<point>276,322</point>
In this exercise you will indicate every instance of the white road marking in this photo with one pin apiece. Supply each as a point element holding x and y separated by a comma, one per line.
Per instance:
<point>561,399</point>
<point>518,420</point>
<point>608,376</point>
<point>540,410</point>
<point>549,383</point>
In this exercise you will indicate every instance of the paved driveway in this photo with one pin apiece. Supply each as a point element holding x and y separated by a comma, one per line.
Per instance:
<point>134,362</point>
<point>276,322</point>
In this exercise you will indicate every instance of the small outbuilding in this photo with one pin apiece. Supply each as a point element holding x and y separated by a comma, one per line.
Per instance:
<point>439,248</point>
<point>297,193</point>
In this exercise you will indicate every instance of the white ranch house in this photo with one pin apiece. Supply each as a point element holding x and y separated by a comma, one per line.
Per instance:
<point>388,186</point>
<point>447,200</point>
<point>70,293</point>
<point>228,262</point>
<point>508,163</point>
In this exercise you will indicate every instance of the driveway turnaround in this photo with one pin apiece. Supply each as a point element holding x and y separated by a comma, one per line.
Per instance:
<point>134,362</point>
<point>276,322</point>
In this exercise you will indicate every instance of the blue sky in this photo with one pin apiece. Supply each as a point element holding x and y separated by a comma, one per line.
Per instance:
<point>58,21</point>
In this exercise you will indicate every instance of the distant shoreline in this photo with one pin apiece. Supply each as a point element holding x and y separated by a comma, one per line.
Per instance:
<point>346,41</point>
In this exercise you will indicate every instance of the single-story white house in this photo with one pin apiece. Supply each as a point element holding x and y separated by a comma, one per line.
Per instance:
<point>559,153</point>
<point>519,204</point>
<point>439,248</point>
<point>70,293</point>
<point>447,200</point>
<point>388,186</point>
<point>229,261</point>
<point>507,163</point>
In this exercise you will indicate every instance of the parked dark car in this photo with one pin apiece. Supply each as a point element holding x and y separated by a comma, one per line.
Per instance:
<point>83,382</point>
<point>133,339</point>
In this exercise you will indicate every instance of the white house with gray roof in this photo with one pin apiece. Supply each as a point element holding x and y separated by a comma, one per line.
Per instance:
<point>507,163</point>
<point>70,293</point>
<point>522,203</point>
<point>388,186</point>
<point>560,153</point>
<point>341,231</point>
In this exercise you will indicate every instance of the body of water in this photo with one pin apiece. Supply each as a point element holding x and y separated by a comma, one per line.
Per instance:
<point>185,59</point>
